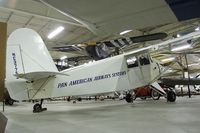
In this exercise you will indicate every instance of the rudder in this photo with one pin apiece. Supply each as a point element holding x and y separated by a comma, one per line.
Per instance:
<point>26,52</point>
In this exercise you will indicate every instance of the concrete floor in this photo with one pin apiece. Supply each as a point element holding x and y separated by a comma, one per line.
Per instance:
<point>147,116</point>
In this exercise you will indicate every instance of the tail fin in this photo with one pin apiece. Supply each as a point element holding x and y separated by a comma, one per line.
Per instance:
<point>26,53</point>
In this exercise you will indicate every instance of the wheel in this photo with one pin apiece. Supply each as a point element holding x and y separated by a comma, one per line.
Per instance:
<point>79,99</point>
<point>171,96</point>
<point>37,108</point>
<point>155,95</point>
<point>68,99</point>
<point>129,98</point>
<point>101,98</point>
<point>10,102</point>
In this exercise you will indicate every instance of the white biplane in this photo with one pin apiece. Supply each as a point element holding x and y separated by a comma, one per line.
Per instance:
<point>31,73</point>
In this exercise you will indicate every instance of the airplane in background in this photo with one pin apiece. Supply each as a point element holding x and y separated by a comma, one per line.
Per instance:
<point>31,73</point>
<point>105,49</point>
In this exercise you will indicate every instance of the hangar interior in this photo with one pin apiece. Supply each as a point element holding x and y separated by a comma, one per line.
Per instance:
<point>87,24</point>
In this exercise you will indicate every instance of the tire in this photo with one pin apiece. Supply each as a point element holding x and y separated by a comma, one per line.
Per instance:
<point>37,108</point>
<point>10,102</point>
<point>79,99</point>
<point>68,99</point>
<point>129,98</point>
<point>171,96</point>
<point>155,95</point>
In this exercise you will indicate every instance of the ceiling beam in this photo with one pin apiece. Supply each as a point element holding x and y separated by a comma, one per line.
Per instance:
<point>40,16</point>
<point>9,17</point>
<point>28,22</point>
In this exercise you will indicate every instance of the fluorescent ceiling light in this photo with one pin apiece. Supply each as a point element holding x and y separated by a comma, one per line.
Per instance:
<point>194,64</point>
<point>64,57</point>
<point>183,47</point>
<point>168,59</point>
<point>124,32</point>
<point>178,35</point>
<point>197,29</point>
<point>186,74</point>
<point>56,32</point>
<point>169,70</point>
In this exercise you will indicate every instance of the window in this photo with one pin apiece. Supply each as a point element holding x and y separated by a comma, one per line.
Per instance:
<point>132,62</point>
<point>144,60</point>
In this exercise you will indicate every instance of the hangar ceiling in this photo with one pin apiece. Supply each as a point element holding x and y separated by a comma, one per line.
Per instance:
<point>89,20</point>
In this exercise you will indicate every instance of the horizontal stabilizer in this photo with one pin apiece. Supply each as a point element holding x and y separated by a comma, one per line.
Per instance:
<point>32,76</point>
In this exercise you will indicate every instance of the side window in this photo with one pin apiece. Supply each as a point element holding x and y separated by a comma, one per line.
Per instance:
<point>144,60</point>
<point>132,62</point>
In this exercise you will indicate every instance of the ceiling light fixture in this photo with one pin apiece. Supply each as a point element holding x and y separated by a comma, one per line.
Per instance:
<point>183,47</point>
<point>56,32</point>
<point>168,59</point>
<point>178,35</point>
<point>64,57</point>
<point>194,64</point>
<point>197,29</point>
<point>124,32</point>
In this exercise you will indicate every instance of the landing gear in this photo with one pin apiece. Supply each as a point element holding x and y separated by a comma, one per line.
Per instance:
<point>38,107</point>
<point>171,96</point>
<point>129,98</point>
<point>9,102</point>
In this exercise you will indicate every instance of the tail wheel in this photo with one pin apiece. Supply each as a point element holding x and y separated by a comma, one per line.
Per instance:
<point>155,95</point>
<point>171,96</point>
<point>129,98</point>
<point>10,102</point>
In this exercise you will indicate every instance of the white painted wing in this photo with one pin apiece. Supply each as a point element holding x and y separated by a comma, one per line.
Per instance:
<point>32,76</point>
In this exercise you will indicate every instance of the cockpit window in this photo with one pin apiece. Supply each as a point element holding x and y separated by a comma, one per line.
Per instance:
<point>144,60</point>
<point>132,62</point>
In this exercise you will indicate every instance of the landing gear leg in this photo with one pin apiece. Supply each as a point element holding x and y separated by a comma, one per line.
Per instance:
<point>38,107</point>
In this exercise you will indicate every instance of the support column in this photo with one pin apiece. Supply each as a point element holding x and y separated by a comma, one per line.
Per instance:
<point>186,61</point>
<point>3,39</point>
